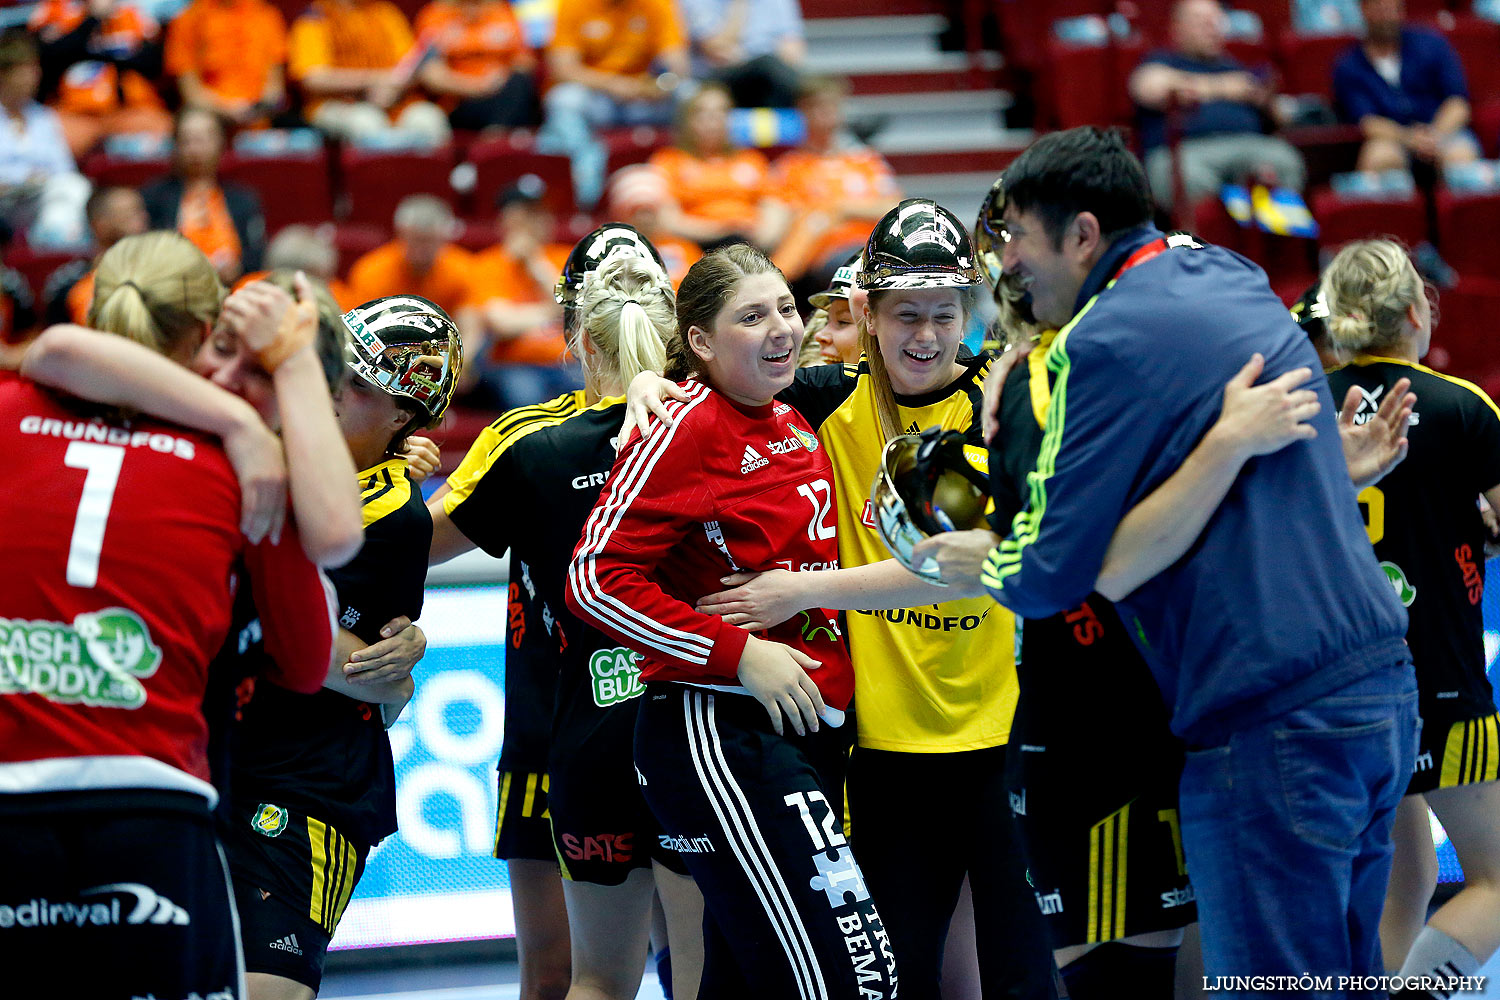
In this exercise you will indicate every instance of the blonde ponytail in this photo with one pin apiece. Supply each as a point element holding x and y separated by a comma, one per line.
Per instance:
<point>158,290</point>
<point>627,310</point>
<point>1369,287</point>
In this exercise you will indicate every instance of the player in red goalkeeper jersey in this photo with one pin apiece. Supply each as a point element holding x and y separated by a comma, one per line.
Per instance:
<point>748,794</point>
<point>122,541</point>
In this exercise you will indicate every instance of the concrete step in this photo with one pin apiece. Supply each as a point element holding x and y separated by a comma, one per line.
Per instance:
<point>849,44</point>
<point>949,73</point>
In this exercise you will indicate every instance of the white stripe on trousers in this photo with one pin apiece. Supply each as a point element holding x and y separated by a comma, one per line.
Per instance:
<point>749,847</point>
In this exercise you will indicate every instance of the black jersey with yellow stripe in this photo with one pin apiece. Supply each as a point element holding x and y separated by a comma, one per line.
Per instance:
<point>1424,523</point>
<point>938,678</point>
<point>327,754</point>
<point>475,504</point>
<point>1083,683</point>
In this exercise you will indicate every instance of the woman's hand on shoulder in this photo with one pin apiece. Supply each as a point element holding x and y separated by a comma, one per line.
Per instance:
<point>644,399</point>
<point>1261,419</point>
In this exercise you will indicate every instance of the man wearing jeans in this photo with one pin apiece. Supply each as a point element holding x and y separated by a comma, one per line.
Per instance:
<point>1276,640</point>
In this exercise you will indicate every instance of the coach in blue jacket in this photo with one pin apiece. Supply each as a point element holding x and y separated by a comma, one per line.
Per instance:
<point>1276,641</point>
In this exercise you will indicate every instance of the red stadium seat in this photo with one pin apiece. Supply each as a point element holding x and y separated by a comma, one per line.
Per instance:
<point>500,161</point>
<point>1345,219</point>
<point>1275,15</point>
<point>36,266</point>
<point>1477,43</point>
<point>475,236</point>
<point>375,181</point>
<point>354,240</point>
<point>108,171</point>
<point>1467,224</point>
<point>628,146</point>
<point>1465,333</point>
<point>1326,149</point>
<point>1486,125</point>
<point>1307,62</point>
<point>293,187</point>
<point>1086,84</point>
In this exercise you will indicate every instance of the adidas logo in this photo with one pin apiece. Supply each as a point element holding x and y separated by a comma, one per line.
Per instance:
<point>288,943</point>
<point>753,460</point>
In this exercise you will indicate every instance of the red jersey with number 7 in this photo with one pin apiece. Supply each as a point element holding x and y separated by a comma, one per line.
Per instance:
<point>727,489</point>
<point>121,542</point>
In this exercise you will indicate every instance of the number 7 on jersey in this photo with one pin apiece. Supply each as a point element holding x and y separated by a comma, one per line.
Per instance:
<point>102,462</point>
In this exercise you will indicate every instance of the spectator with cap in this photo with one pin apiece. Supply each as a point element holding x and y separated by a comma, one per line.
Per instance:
<point>223,219</point>
<point>40,186</point>
<point>756,49</point>
<point>356,62</point>
<point>99,59</point>
<point>422,259</point>
<point>611,62</point>
<point>833,186</point>
<point>1404,87</point>
<point>475,61</point>
<point>227,57</point>
<point>639,194</point>
<point>1223,112</point>
<point>718,193</point>
<point>838,338</point>
<point>511,325</point>
<point>113,213</point>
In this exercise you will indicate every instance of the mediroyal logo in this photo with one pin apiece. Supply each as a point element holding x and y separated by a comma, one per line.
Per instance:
<point>99,660</point>
<point>98,907</point>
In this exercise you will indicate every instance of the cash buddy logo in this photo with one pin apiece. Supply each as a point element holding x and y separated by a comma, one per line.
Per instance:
<point>99,660</point>
<point>1405,592</point>
<point>615,675</point>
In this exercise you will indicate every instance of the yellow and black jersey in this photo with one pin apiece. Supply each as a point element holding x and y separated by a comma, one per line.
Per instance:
<point>938,678</point>
<point>1424,522</point>
<point>327,754</point>
<point>530,651</point>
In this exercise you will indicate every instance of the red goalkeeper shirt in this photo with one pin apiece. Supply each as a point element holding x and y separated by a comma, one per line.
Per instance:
<point>727,489</point>
<point>120,548</point>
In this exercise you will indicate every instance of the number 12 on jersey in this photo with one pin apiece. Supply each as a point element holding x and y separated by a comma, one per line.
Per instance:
<point>820,494</point>
<point>102,463</point>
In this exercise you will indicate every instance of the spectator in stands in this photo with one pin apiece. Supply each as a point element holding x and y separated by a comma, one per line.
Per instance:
<point>1222,112</point>
<point>834,187</point>
<point>356,63</point>
<point>227,57</point>
<point>755,48</point>
<point>475,61</point>
<point>98,63</point>
<point>310,249</point>
<point>113,213</point>
<point>40,186</point>
<point>512,327</point>
<point>223,219</point>
<point>718,194</point>
<point>639,195</point>
<point>421,260</point>
<point>611,62</point>
<point>1405,89</point>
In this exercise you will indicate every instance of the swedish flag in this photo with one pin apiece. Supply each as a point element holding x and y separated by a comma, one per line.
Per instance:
<point>1282,211</point>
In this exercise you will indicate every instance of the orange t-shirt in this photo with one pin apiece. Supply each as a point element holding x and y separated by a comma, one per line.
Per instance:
<point>618,36</point>
<point>80,297</point>
<point>498,275</point>
<point>203,217</point>
<point>677,254</point>
<point>92,86</point>
<point>232,45</point>
<point>721,188</point>
<point>383,271</point>
<point>817,182</point>
<point>367,34</point>
<point>472,47</point>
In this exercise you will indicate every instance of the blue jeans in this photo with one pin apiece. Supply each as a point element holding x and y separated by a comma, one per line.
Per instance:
<point>1287,831</point>
<point>572,113</point>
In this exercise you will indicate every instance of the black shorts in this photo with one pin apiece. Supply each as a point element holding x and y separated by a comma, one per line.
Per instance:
<point>1455,747</point>
<point>1097,808</point>
<point>523,821</point>
<point>115,894</point>
<point>602,828</point>
<point>308,868</point>
<point>757,821</point>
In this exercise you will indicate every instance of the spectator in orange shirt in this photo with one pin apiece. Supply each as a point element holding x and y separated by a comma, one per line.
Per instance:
<point>718,193</point>
<point>639,195</point>
<point>603,63</point>
<point>356,62</point>
<point>98,61</point>
<point>476,62</point>
<point>514,348</point>
<point>113,213</point>
<point>421,260</point>
<point>223,219</point>
<point>835,188</point>
<point>310,249</point>
<point>226,56</point>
